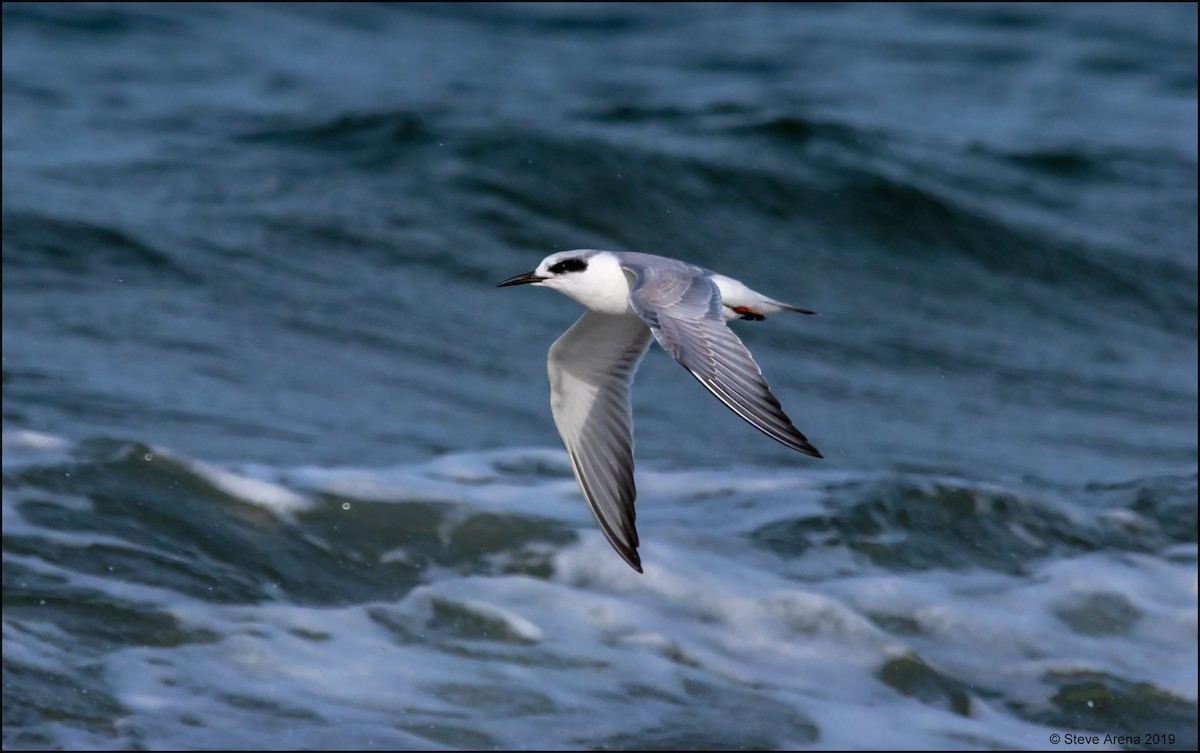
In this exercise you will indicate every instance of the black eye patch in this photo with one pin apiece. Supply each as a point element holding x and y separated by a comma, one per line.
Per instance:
<point>574,264</point>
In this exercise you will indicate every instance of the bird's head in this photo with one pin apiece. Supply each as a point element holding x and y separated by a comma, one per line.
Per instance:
<point>561,271</point>
<point>593,278</point>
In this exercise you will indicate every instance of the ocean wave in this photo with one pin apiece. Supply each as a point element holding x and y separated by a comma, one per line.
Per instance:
<point>368,138</point>
<point>480,581</point>
<point>220,535</point>
<point>901,525</point>
<point>37,245</point>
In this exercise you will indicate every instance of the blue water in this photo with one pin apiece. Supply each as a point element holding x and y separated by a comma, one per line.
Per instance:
<point>279,467</point>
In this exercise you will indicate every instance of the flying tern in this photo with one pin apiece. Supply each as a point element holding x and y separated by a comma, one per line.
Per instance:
<point>631,297</point>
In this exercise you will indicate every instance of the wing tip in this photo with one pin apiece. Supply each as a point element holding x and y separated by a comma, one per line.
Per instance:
<point>804,446</point>
<point>631,557</point>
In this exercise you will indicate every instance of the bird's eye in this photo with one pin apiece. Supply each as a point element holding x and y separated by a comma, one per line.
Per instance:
<point>574,264</point>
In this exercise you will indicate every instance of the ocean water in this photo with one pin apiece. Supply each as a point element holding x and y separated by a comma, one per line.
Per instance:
<point>279,467</point>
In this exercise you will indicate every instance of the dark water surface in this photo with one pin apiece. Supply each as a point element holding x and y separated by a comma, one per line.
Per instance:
<point>279,469</point>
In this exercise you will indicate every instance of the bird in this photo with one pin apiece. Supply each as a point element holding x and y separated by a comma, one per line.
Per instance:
<point>630,299</point>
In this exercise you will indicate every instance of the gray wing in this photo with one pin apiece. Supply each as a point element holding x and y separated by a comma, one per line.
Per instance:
<point>682,307</point>
<point>591,368</point>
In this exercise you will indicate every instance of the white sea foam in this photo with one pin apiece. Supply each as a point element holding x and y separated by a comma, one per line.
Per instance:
<point>718,639</point>
<point>23,447</point>
<point>256,491</point>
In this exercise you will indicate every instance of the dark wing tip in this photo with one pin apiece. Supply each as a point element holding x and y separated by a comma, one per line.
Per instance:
<point>623,540</point>
<point>630,555</point>
<point>800,443</point>
<point>797,442</point>
<point>625,545</point>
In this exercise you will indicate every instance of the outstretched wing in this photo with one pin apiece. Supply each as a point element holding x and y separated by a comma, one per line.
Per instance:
<point>684,313</point>
<point>591,368</point>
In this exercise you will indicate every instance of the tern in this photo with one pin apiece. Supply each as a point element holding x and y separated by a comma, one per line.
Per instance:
<point>630,297</point>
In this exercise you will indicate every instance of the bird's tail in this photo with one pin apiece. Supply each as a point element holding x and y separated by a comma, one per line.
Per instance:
<point>786,307</point>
